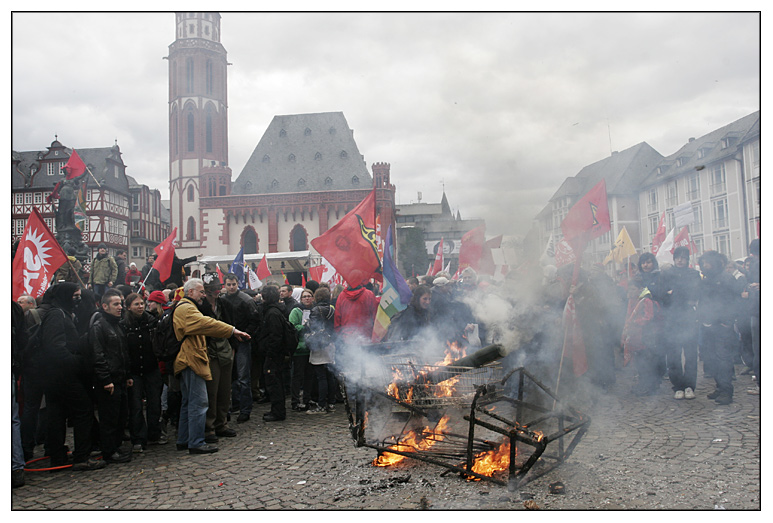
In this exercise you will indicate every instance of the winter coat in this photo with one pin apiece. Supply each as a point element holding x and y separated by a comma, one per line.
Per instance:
<point>641,328</point>
<point>121,274</point>
<point>139,337</point>
<point>322,320</point>
<point>679,287</point>
<point>220,349</point>
<point>407,324</point>
<point>109,350</point>
<point>245,316</point>
<point>190,323</point>
<point>103,270</point>
<point>132,276</point>
<point>270,335</point>
<point>290,303</point>
<point>152,282</point>
<point>66,273</point>
<point>355,313</point>
<point>178,269</point>
<point>61,356</point>
<point>718,299</point>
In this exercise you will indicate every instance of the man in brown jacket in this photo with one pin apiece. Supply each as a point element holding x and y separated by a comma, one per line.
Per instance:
<point>192,365</point>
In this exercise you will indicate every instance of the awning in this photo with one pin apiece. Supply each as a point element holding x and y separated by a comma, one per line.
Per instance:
<point>295,261</point>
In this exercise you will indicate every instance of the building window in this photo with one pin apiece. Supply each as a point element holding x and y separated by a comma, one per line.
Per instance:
<point>654,221</point>
<point>18,227</point>
<point>250,241</point>
<point>136,252</point>
<point>298,239</point>
<point>652,200</point>
<point>282,133</point>
<point>301,183</point>
<point>329,181</point>
<point>307,132</point>
<point>209,76</point>
<point>191,195</point>
<point>274,184</point>
<point>209,130</point>
<point>693,187</point>
<point>670,221</point>
<point>756,154</point>
<point>50,224</point>
<point>318,156</point>
<point>136,227</point>
<point>718,180</point>
<point>191,133</point>
<point>719,218</point>
<point>28,197</point>
<point>697,212</point>
<point>698,241</point>
<point>191,230</point>
<point>344,155</point>
<point>722,244</point>
<point>18,198</point>
<point>136,202</point>
<point>671,194</point>
<point>266,158</point>
<point>54,168</point>
<point>355,180</point>
<point>757,194</point>
<point>291,158</point>
<point>189,74</point>
<point>38,197</point>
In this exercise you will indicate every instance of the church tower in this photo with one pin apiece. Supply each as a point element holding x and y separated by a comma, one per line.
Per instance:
<point>198,126</point>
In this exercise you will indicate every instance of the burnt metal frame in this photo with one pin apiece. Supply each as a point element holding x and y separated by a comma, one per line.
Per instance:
<point>569,421</point>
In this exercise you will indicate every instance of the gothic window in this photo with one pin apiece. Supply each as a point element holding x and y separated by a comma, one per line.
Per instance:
<point>282,133</point>
<point>328,181</point>
<point>209,75</point>
<point>191,230</point>
<point>266,159</point>
<point>222,190</point>
<point>190,193</point>
<point>343,155</point>
<point>209,130</point>
<point>191,133</point>
<point>307,132</point>
<point>301,183</point>
<point>189,74</point>
<point>250,241</point>
<point>174,131</point>
<point>298,239</point>
<point>248,186</point>
<point>355,180</point>
<point>206,30</point>
<point>291,158</point>
<point>274,184</point>
<point>318,156</point>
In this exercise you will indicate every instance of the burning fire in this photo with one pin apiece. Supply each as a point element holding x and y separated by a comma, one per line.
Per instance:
<point>412,442</point>
<point>493,461</point>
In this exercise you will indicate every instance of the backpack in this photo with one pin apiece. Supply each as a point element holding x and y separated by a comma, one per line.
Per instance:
<point>165,344</point>
<point>319,334</point>
<point>290,337</point>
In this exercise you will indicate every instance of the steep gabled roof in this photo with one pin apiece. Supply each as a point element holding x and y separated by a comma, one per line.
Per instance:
<point>304,153</point>
<point>623,171</point>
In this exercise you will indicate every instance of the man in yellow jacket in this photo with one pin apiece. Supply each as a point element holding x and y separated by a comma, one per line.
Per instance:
<point>192,365</point>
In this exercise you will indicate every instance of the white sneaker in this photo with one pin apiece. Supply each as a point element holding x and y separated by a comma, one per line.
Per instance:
<point>689,394</point>
<point>679,395</point>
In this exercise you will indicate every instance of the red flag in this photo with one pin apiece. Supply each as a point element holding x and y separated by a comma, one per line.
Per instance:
<point>54,194</point>
<point>316,272</point>
<point>350,245</point>
<point>165,252</point>
<point>219,273</point>
<point>564,254</point>
<point>263,271</point>
<point>683,240</point>
<point>303,280</point>
<point>438,266</point>
<point>38,256</point>
<point>472,248</point>
<point>573,338</point>
<point>660,234</point>
<point>588,218</point>
<point>74,166</point>
<point>487,265</point>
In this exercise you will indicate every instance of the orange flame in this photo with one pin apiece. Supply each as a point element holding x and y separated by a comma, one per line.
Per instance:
<point>412,442</point>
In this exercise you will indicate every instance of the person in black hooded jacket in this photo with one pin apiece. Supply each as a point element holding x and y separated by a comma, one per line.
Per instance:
<point>139,325</point>
<point>717,309</point>
<point>108,344</point>
<point>64,368</point>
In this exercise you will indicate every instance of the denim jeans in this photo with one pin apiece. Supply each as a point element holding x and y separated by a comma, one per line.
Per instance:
<point>149,386</point>
<point>17,454</point>
<point>193,411</point>
<point>241,388</point>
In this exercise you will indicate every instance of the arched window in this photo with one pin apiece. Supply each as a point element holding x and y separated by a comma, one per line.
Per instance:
<point>190,193</point>
<point>174,131</point>
<point>318,156</point>
<point>298,239</point>
<point>209,73</point>
<point>250,241</point>
<point>222,190</point>
<point>209,130</point>
<point>189,74</point>
<point>191,133</point>
<point>191,229</point>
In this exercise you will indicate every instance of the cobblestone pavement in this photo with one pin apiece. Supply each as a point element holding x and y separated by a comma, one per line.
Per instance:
<point>639,453</point>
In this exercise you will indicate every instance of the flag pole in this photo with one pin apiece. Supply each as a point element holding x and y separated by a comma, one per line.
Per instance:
<point>92,176</point>
<point>76,273</point>
<point>570,325</point>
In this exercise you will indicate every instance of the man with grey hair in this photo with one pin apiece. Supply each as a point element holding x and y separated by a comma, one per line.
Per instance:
<point>192,364</point>
<point>26,302</point>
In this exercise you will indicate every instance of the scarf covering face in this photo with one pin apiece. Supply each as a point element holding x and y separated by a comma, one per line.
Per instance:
<point>61,295</point>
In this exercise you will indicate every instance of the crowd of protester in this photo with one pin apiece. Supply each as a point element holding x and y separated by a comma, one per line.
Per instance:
<point>102,368</point>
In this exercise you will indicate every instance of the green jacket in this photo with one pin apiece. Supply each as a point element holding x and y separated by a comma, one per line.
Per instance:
<point>103,271</point>
<point>296,318</point>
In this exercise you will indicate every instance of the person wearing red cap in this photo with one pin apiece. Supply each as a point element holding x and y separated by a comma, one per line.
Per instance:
<point>157,303</point>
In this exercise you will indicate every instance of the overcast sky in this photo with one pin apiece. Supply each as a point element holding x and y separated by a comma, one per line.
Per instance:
<point>498,107</point>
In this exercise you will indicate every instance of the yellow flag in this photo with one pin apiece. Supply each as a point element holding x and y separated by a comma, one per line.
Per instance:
<point>623,248</point>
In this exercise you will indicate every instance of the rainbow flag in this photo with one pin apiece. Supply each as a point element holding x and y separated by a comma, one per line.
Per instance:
<point>79,213</point>
<point>396,294</point>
